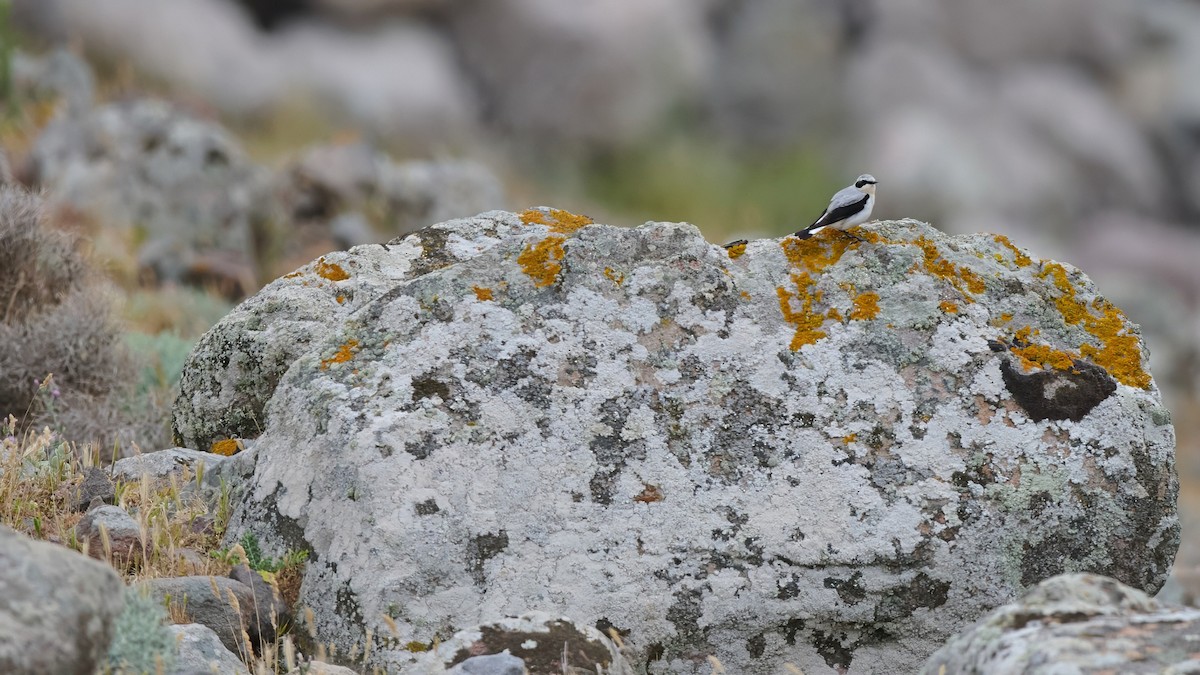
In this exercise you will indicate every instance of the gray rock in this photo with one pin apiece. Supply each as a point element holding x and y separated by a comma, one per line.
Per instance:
<point>95,485</point>
<point>161,465</point>
<point>751,458</point>
<point>182,184</point>
<point>335,184</point>
<point>1077,623</point>
<point>201,651</point>
<point>602,72</point>
<point>536,643</point>
<point>58,609</point>
<point>490,664</point>
<point>58,74</point>
<point>394,77</point>
<point>772,55</point>
<point>234,367</point>
<point>125,544</point>
<point>224,605</point>
<point>5,170</point>
<point>269,610</point>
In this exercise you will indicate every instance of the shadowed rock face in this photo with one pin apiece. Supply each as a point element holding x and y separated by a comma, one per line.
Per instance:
<point>801,452</point>
<point>1082,622</point>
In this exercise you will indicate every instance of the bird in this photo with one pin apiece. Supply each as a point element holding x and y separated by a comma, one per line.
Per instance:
<point>850,206</point>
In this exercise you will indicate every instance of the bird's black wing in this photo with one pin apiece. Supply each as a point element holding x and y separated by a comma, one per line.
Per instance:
<point>840,213</point>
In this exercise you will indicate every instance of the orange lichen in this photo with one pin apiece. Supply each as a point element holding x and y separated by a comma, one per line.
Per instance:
<point>962,278</point>
<point>482,294</point>
<point>613,276</point>
<point>562,222</point>
<point>293,275</point>
<point>1006,317</point>
<point>227,447</point>
<point>948,307</point>
<point>343,354</point>
<point>807,322</point>
<point>331,271</point>
<point>540,260</point>
<point>1118,351</point>
<point>866,306</point>
<point>818,252</point>
<point>834,313</point>
<point>1043,356</point>
<point>341,299</point>
<point>745,295</point>
<point>849,438</point>
<point>1019,258</point>
<point>736,250</point>
<point>808,257</point>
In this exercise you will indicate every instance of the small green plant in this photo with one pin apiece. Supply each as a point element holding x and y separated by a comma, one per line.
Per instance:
<point>7,47</point>
<point>142,643</point>
<point>255,558</point>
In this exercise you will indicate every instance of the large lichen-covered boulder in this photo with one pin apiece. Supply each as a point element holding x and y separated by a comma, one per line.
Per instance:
<point>825,453</point>
<point>1077,623</point>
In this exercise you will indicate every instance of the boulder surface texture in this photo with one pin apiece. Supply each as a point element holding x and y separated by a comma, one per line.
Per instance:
<point>58,609</point>
<point>1077,623</point>
<point>825,453</point>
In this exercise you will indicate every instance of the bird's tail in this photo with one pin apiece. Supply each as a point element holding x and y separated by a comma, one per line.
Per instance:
<point>808,231</point>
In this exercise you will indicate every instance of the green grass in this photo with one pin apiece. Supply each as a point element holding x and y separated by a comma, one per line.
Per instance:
<point>686,177</point>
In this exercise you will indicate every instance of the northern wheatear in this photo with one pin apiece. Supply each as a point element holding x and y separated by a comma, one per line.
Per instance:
<point>849,207</point>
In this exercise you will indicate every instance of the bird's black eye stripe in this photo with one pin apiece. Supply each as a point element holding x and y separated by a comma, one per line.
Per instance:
<point>864,182</point>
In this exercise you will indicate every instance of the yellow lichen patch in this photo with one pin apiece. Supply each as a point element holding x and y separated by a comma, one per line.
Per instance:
<point>1118,351</point>
<point>482,294</point>
<point>1043,356</point>
<point>331,271</point>
<point>343,354</point>
<point>807,322</point>
<point>745,295</point>
<point>415,646</point>
<point>613,276</point>
<point>818,252</point>
<point>736,250</point>
<point>227,447</point>
<point>834,313</point>
<point>866,306</point>
<point>849,438</point>
<point>809,256</point>
<point>540,260</point>
<point>948,307</point>
<point>1006,317</point>
<point>341,299</point>
<point>562,222</point>
<point>293,275</point>
<point>1019,258</point>
<point>962,278</point>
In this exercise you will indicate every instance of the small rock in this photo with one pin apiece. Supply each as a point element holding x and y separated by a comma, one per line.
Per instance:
<point>58,609</point>
<point>124,536</point>
<point>1081,623</point>
<point>159,466</point>
<point>95,485</point>
<point>490,664</point>
<point>268,611</point>
<point>207,600</point>
<point>201,651</point>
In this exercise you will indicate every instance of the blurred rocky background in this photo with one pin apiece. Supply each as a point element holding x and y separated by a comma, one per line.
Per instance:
<point>204,147</point>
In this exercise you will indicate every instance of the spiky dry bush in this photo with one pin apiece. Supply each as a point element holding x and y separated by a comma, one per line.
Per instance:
<point>56,322</point>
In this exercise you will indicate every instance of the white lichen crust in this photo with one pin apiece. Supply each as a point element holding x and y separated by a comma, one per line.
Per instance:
<point>825,453</point>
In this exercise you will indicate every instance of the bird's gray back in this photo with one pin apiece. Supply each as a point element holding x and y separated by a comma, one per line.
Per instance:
<point>844,197</point>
